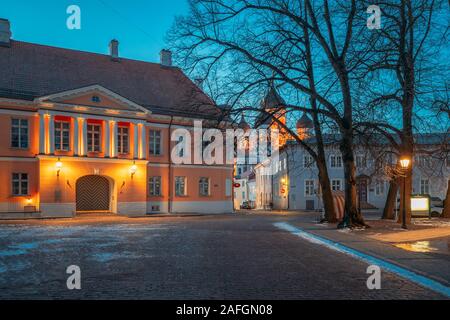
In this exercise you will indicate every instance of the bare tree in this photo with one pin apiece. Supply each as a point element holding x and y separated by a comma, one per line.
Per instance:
<point>258,38</point>
<point>400,72</point>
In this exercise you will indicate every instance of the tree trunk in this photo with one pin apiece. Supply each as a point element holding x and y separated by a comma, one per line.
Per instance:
<point>321,162</point>
<point>389,206</point>
<point>446,211</point>
<point>352,216</point>
<point>327,195</point>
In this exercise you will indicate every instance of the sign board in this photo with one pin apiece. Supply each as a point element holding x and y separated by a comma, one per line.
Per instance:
<point>420,205</point>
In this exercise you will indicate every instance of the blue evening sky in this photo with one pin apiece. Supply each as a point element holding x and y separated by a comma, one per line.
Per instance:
<point>139,25</point>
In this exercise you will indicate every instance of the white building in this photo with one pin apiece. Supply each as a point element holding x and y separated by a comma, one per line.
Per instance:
<point>295,182</point>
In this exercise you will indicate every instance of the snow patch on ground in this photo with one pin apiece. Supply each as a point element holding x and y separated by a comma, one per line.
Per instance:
<point>109,256</point>
<point>433,222</point>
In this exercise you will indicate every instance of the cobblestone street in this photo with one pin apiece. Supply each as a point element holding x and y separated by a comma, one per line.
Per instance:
<point>208,257</point>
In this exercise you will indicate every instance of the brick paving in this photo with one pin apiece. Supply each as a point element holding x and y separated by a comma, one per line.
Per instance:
<point>210,257</point>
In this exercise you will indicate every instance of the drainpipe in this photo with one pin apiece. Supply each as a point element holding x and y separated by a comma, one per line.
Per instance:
<point>169,204</point>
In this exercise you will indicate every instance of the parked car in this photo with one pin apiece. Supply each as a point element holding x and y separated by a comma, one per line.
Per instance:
<point>245,205</point>
<point>436,206</point>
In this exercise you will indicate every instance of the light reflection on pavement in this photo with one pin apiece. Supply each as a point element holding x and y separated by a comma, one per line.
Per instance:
<point>436,246</point>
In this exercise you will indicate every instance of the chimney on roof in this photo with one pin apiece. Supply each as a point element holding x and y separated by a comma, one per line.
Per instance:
<point>5,33</point>
<point>166,57</point>
<point>114,50</point>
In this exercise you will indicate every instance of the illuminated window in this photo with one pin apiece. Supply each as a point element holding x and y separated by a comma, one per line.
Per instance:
<point>203,186</point>
<point>20,184</point>
<point>19,133</point>
<point>155,186</point>
<point>93,137</point>
<point>62,135</point>
<point>122,140</point>
<point>155,142</point>
<point>180,186</point>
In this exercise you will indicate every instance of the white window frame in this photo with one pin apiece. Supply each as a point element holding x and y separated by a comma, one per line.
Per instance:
<point>202,182</point>
<point>20,137</point>
<point>380,186</point>
<point>308,191</point>
<point>340,185</point>
<point>155,184</point>
<point>91,136</point>
<point>59,131</point>
<point>155,142</point>
<point>22,177</point>
<point>361,161</point>
<point>180,181</point>
<point>425,183</point>
<point>123,133</point>
<point>308,161</point>
<point>334,161</point>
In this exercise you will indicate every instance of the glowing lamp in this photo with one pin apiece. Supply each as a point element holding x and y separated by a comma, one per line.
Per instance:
<point>29,201</point>
<point>58,166</point>
<point>404,163</point>
<point>133,169</point>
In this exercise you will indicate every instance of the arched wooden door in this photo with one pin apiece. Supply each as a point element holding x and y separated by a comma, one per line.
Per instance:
<point>93,193</point>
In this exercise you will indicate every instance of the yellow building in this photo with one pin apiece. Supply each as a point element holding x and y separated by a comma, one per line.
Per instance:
<point>85,132</point>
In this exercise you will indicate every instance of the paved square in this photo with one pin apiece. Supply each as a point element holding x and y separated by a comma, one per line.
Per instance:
<point>209,257</point>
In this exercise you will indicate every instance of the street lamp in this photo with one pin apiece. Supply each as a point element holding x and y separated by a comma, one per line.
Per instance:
<point>404,163</point>
<point>58,166</point>
<point>133,169</point>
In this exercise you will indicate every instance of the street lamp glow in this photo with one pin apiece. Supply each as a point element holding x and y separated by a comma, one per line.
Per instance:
<point>58,166</point>
<point>133,169</point>
<point>404,163</point>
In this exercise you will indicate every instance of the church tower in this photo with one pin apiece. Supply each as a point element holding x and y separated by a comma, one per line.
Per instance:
<point>274,104</point>
<point>305,127</point>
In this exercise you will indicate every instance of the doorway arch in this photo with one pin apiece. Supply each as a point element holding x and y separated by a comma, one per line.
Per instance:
<point>93,193</point>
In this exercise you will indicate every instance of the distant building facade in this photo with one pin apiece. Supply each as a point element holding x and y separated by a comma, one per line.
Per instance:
<point>296,186</point>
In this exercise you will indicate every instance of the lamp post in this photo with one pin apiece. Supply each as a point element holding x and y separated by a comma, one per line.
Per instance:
<point>404,163</point>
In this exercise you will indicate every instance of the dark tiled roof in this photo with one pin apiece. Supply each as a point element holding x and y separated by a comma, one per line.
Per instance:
<point>243,124</point>
<point>272,99</point>
<point>31,70</point>
<point>305,122</point>
<point>272,102</point>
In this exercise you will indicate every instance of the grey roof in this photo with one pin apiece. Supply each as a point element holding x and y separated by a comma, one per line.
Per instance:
<point>305,122</point>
